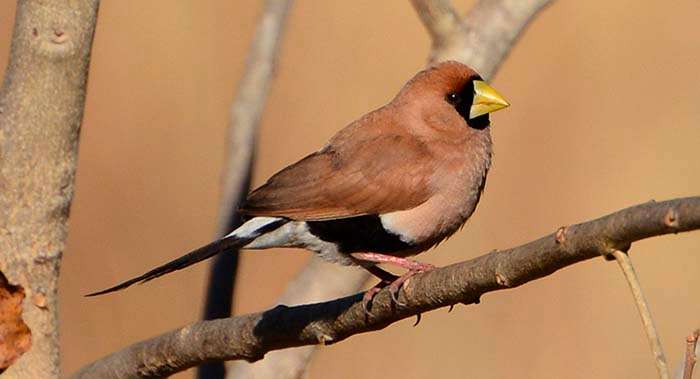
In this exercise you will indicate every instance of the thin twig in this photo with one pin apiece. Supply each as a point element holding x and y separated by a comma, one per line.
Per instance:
<point>627,268</point>
<point>246,111</point>
<point>251,336</point>
<point>249,103</point>
<point>690,354</point>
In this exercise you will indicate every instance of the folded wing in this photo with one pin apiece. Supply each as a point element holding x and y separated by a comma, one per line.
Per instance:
<point>349,177</point>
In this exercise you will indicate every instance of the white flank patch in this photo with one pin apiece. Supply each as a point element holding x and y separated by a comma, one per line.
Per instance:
<point>390,224</point>
<point>296,234</point>
<point>251,227</point>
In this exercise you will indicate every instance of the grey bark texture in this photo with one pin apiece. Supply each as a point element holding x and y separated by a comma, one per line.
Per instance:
<point>41,109</point>
<point>251,336</point>
<point>317,281</point>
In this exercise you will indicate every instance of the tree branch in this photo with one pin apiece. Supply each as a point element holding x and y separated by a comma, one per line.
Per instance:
<point>41,109</point>
<point>246,111</point>
<point>685,370</point>
<point>250,336</point>
<point>317,281</point>
<point>440,19</point>
<point>484,37</point>
<point>627,268</point>
<point>249,103</point>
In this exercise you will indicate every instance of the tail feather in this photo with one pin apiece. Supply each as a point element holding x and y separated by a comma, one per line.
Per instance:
<point>232,240</point>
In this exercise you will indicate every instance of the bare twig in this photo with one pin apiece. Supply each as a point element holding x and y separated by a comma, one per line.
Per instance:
<point>499,23</point>
<point>251,336</point>
<point>249,103</point>
<point>691,354</point>
<point>246,111</point>
<point>627,268</point>
<point>41,109</point>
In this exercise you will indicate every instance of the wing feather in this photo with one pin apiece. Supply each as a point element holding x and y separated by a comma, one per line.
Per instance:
<point>349,177</point>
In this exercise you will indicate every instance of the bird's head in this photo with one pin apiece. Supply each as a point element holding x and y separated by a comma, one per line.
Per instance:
<point>451,88</point>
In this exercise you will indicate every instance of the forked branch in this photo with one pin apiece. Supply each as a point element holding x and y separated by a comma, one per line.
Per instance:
<point>484,37</point>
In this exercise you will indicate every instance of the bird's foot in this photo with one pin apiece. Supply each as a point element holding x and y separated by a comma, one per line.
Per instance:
<point>395,283</point>
<point>369,295</point>
<point>395,287</point>
<point>386,279</point>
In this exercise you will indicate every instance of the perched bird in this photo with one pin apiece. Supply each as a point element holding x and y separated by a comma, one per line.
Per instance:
<point>388,186</point>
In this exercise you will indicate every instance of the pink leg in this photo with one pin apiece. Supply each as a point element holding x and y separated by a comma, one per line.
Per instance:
<point>386,279</point>
<point>401,262</point>
<point>395,284</point>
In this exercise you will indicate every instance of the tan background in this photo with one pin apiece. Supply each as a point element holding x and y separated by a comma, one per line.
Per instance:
<point>605,115</point>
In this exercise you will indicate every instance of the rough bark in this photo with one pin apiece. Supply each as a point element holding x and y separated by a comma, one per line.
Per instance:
<point>317,281</point>
<point>251,336</point>
<point>41,108</point>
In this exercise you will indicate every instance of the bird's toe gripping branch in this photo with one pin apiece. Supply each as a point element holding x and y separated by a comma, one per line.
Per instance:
<point>388,279</point>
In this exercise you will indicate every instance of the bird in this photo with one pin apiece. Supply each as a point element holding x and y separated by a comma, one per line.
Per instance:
<point>388,186</point>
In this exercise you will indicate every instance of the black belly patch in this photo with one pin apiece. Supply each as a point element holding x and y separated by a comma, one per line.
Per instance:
<point>358,234</point>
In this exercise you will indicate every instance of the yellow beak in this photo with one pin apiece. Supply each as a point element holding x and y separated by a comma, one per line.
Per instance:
<point>486,100</point>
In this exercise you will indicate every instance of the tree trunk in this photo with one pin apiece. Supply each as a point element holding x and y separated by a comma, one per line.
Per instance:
<point>41,108</point>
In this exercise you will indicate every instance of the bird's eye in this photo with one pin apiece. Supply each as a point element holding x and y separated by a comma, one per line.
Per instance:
<point>453,98</point>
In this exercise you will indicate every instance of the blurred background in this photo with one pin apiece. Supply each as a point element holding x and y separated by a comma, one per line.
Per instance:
<point>604,115</point>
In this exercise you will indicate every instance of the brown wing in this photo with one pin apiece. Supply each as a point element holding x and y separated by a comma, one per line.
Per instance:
<point>380,174</point>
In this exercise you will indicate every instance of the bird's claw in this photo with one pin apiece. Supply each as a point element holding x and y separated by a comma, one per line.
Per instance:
<point>394,291</point>
<point>369,296</point>
<point>395,284</point>
<point>418,318</point>
<point>367,301</point>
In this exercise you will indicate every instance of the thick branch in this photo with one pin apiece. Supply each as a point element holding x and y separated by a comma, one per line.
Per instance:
<point>485,35</point>
<point>441,20</point>
<point>41,108</point>
<point>318,281</point>
<point>250,336</point>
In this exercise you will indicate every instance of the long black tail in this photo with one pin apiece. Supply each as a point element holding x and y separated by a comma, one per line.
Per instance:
<point>204,252</point>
